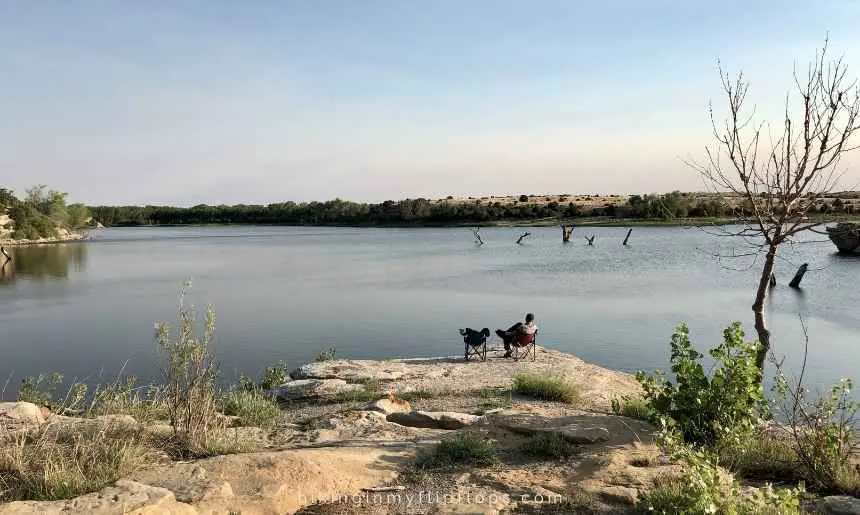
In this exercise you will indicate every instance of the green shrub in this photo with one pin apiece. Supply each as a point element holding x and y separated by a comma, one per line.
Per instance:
<point>548,445</point>
<point>705,488</point>
<point>705,409</point>
<point>274,376</point>
<point>548,388</point>
<point>326,355</point>
<point>191,375</point>
<point>633,407</point>
<point>253,408</point>
<point>463,449</point>
<point>40,390</point>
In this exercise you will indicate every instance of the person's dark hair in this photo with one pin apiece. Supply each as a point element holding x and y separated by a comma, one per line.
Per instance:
<point>530,317</point>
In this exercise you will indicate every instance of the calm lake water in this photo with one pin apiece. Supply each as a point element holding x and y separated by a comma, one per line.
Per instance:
<point>286,293</point>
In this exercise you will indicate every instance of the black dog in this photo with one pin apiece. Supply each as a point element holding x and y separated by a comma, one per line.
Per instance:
<point>475,338</point>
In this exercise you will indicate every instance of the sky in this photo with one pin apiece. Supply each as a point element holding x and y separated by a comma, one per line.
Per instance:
<point>217,101</point>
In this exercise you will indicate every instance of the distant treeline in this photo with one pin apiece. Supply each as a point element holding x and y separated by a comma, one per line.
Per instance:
<point>416,211</point>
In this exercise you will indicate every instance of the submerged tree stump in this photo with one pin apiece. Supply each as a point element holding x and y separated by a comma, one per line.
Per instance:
<point>566,232</point>
<point>795,283</point>
<point>476,231</point>
<point>629,232</point>
<point>521,238</point>
<point>590,239</point>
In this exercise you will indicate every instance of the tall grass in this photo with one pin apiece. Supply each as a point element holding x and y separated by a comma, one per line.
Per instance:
<point>548,388</point>
<point>254,408</point>
<point>59,462</point>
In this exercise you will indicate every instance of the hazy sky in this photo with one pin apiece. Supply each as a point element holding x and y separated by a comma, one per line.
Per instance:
<point>229,101</point>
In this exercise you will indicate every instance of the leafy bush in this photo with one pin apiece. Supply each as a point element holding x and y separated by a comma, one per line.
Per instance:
<point>465,448</point>
<point>253,408</point>
<point>40,390</point>
<point>705,409</point>
<point>705,488</point>
<point>548,388</point>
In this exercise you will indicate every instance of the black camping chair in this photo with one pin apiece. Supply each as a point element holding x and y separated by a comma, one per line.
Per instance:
<point>475,342</point>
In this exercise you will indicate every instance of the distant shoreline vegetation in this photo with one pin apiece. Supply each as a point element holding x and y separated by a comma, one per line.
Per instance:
<point>662,209</point>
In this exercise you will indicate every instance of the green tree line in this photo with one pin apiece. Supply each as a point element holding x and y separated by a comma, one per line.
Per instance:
<point>404,212</point>
<point>41,213</point>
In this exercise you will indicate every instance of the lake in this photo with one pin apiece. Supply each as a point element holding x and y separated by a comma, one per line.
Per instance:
<point>85,309</point>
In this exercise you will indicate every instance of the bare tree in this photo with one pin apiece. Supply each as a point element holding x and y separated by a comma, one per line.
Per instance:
<point>780,173</point>
<point>477,232</point>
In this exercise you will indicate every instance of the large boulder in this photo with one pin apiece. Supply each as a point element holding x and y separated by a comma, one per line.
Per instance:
<point>389,405</point>
<point>433,419</point>
<point>306,388</point>
<point>21,413</point>
<point>840,505</point>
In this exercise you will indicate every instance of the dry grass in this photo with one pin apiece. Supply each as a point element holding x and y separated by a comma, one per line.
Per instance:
<point>60,462</point>
<point>548,445</point>
<point>463,449</point>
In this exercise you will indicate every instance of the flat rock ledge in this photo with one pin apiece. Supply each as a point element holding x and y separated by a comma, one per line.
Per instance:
<point>599,385</point>
<point>308,388</point>
<point>840,505</point>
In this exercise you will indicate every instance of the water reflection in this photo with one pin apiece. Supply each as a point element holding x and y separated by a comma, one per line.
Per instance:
<point>42,262</point>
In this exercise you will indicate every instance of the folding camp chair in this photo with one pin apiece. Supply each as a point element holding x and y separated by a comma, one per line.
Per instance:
<point>475,343</point>
<point>524,345</point>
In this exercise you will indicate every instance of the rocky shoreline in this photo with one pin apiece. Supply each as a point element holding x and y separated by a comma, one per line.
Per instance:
<point>352,430</point>
<point>63,236</point>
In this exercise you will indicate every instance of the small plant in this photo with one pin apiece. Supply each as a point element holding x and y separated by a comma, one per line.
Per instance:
<point>274,376</point>
<point>548,388</point>
<point>463,449</point>
<point>633,407</point>
<point>253,408</point>
<point>548,445</point>
<point>191,375</point>
<point>326,355</point>
<point>40,390</point>
<point>705,409</point>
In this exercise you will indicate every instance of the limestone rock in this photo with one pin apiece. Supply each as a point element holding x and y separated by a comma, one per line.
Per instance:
<point>21,413</point>
<point>304,388</point>
<point>584,428</point>
<point>351,370</point>
<point>388,406</point>
<point>840,505</point>
<point>124,497</point>
<point>433,419</point>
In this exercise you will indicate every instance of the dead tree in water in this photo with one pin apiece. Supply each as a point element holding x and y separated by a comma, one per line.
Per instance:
<point>795,283</point>
<point>521,238</point>
<point>629,232</point>
<point>477,232</point>
<point>565,233</point>
<point>781,171</point>
<point>6,255</point>
<point>590,239</point>
<point>772,280</point>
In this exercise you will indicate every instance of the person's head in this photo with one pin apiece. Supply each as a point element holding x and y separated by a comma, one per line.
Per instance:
<point>530,317</point>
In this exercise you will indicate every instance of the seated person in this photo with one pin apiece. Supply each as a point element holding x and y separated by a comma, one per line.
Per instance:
<point>510,336</point>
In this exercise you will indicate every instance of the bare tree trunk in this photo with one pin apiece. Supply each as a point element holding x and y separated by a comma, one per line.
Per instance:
<point>629,232</point>
<point>758,306</point>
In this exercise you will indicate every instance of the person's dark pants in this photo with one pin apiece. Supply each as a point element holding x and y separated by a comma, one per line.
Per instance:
<point>508,337</point>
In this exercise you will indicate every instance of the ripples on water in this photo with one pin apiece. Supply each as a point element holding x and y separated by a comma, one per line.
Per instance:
<point>286,293</point>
